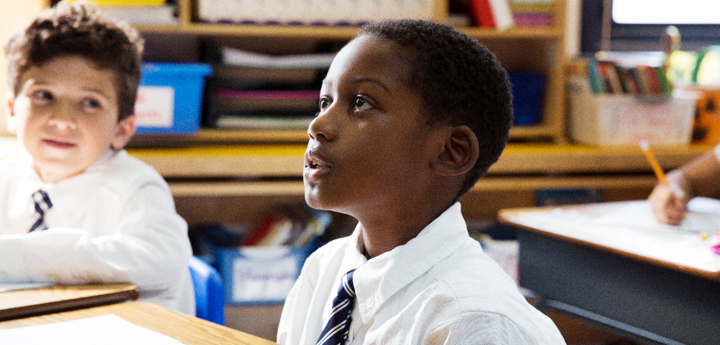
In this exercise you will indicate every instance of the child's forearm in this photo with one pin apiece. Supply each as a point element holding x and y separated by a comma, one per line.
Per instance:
<point>702,176</point>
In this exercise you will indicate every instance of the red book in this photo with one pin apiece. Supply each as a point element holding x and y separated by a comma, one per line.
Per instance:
<point>260,230</point>
<point>655,87</point>
<point>482,13</point>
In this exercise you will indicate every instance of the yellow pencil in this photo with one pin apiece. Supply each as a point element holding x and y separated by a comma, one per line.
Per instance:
<point>645,147</point>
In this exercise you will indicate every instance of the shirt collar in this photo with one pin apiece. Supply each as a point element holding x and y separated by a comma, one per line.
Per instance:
<point>87,180</point>
<point>404,263</point>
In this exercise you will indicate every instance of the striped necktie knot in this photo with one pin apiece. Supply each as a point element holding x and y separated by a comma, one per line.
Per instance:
<point>337,328</point>
<point>42,204</point>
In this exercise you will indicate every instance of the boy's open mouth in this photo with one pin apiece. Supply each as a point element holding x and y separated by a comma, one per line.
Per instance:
<point>314,164</point>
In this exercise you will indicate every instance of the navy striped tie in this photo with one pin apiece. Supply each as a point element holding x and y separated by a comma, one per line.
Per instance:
<point>42,204</point>
<point>337,328</point>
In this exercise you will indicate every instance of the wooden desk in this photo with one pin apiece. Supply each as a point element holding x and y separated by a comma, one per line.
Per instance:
<point>186,329</point>
<point>23,303</point>
<point>617,276</point>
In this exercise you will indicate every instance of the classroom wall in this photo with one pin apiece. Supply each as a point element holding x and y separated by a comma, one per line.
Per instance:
<point>12,13</point>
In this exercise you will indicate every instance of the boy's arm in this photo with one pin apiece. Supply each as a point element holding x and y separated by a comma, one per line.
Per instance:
<point>149,248</point>
<point>489,328</point>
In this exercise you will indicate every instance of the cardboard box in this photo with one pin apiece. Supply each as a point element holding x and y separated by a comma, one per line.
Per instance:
<point>169,98</point>
<point>260,275</point>
<point>706,128</point>
<point>625,119</point>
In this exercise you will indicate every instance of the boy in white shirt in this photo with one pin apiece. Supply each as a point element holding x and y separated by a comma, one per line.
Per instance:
<point>77,208</point>
<point>411,114</point>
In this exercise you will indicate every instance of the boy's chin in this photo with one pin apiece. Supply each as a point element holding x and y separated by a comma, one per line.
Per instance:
<point>315,199</point>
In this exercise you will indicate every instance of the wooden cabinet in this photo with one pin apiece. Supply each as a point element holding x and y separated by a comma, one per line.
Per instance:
<point>519,50</point>
<point>233,183</point>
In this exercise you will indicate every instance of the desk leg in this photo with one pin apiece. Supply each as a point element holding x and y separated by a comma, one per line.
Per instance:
<point>640,299</point>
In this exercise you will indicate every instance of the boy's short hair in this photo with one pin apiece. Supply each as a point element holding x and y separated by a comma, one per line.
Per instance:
<point>78,29</point>
<point>460,82</point>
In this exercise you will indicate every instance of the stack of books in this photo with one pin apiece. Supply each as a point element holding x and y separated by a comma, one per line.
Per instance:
<point>311,12</point>
<point>294,225</point>
<point>532,13</point>
<point>289,225</point>
<point>258,91</point>
<point>619,75</point>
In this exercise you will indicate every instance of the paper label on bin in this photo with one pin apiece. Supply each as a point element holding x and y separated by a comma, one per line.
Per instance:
<point>264,280</point>
<point>154,106</point>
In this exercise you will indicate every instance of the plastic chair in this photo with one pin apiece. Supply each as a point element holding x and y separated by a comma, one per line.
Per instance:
<point>209,295</point>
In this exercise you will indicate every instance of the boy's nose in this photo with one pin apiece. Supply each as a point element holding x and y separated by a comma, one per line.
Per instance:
<point>322,126</point>
<point>62,118</point>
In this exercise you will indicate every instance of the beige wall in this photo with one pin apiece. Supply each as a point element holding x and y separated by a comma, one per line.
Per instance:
<point>12,12</point>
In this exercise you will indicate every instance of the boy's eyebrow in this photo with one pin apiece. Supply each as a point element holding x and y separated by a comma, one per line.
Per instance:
<point>45,83</point>
<point>95,91</point>
<point>373,81</point>
<point>358,80</point>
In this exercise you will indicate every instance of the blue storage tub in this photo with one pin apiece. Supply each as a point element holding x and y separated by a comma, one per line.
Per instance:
<point>170,97</point>
<point>528,90</point>
<point>260,275</point>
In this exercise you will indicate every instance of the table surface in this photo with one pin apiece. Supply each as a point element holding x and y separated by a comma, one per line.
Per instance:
<point>187,329</point>
<point>623,228</point>
<point>22,303</point>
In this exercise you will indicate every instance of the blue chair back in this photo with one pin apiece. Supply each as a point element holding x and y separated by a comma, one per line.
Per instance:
<point>209,296</point>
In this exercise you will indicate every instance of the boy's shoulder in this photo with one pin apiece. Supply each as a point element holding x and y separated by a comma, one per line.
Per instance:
<point>474,279</point>
<point>15,165</point>
<point>480,288</point>
<point>123,170</point>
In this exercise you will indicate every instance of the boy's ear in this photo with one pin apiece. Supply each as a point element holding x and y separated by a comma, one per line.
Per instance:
<point>123,132</point>
<point>459,152</point>
<point>9,111</point>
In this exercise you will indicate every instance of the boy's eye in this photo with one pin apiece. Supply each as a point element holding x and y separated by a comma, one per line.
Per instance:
<point>42,95</point>
<point>323,103</point>
<point>361,104</point>
<point>90,103</point>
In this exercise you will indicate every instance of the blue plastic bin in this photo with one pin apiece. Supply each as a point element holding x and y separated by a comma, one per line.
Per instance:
<point>260,275</point>
<point>528,90</point>
<point>181,84</point>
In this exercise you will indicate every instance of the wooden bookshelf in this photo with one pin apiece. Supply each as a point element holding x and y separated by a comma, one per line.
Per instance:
<point>519,50</point>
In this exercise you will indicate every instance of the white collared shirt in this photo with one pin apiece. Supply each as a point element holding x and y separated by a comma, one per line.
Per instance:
<point>115,222</point>
<point>439,288</point>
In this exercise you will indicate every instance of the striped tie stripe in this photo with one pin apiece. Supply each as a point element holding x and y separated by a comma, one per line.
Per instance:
<point>42,204</point>
<point>337,328</point>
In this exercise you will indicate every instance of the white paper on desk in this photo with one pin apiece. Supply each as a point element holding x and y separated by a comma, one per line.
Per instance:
<point>105,329</point>
<point>703,216</point>
<point>24,286</point>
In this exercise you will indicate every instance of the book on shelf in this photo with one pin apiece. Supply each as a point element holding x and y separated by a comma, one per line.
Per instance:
<point>288,225</point>
<point>237,57</point>
<point>241,77</point>
<point>491,13</point>
<point>164,14</point>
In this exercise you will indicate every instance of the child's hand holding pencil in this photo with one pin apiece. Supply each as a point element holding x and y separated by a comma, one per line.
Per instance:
<point>669,198</point>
